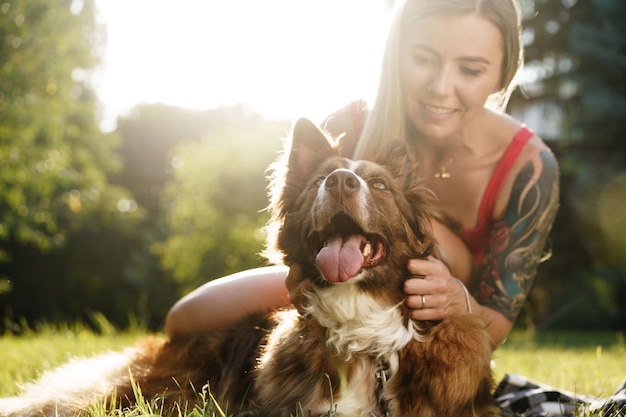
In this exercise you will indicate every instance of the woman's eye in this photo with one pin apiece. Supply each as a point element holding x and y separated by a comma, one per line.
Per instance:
<point>422,59</point>
<point>470,71</point>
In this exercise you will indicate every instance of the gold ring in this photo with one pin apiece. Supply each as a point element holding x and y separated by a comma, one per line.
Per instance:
<point>423,301</point>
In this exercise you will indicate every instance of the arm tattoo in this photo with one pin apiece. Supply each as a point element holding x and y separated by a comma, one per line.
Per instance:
<point>518,238</point>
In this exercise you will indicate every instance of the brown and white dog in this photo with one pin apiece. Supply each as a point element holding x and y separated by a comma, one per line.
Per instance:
<point>352,350</point>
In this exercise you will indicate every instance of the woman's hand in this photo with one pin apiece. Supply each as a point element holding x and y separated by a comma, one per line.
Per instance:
<point>433,293</point>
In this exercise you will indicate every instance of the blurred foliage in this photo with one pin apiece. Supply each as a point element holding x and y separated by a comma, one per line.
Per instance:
<point>55,195</point>
<point>125,223</point>
<point>574,95</point>
<point>54,159</point>
<point>201,176</point>
<point>215,203</point>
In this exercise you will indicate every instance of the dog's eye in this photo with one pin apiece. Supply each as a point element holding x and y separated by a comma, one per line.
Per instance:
<point>378,184</point>
<point>318,182</point>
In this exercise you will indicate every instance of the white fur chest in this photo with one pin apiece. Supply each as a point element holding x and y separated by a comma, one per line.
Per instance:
<point>361,331</point>
<point>358,323</point>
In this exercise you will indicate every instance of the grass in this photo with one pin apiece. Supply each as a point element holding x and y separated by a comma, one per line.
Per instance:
<point>589,364</point>
<point>583,363</point>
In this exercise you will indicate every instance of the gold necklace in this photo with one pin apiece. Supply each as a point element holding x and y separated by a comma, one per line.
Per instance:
<point>443,173</point>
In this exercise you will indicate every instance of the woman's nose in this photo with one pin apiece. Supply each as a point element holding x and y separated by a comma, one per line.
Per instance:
<point>441,82</point>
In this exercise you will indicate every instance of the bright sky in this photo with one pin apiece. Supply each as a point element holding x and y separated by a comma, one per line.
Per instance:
<point>286,58</point>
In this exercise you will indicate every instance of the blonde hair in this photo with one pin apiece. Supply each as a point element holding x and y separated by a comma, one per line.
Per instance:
<point>387,116</point>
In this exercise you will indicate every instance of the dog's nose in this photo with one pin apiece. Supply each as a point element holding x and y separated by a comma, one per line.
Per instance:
<point>342,182</point>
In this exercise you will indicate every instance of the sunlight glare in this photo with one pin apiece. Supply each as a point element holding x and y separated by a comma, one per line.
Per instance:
<point>285,58</point>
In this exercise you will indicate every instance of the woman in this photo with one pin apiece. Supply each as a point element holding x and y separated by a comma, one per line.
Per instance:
<point>448,67</point>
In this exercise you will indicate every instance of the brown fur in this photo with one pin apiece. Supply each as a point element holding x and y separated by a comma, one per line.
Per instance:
<point>270,364</point>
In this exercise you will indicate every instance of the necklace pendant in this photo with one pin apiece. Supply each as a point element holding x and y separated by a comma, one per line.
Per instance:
<point>444,175</point>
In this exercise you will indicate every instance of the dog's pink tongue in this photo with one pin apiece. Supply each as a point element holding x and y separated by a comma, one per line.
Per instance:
<point>341,259</point>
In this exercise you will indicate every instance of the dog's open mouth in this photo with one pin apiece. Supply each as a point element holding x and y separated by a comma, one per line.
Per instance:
<point>343,249</point>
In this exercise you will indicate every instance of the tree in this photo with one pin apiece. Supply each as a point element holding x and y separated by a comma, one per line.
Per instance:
<point>53,157</point>
<point>574,96</point>
<point>200,175</point>
<point>55,196</point>
<point>214,204</point>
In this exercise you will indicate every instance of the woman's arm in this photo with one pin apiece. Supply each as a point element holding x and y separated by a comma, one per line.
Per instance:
<point>519,237</point>
<point>227,300</point>
<point>511,258</point>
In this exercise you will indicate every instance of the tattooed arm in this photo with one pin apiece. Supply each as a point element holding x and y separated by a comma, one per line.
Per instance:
<point>517,243</point>
<point>520,227</point>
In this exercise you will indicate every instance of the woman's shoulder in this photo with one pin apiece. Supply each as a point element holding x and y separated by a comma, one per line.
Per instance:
<point>346,121</point>
<point>338,122</point>
<point>510,129</point>
<point>537,150</point>
<point>534,165</point>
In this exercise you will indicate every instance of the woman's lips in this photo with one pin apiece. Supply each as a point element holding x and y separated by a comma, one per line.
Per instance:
<point>440,111</point>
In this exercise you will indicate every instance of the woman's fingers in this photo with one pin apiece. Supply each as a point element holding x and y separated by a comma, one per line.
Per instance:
<point>425,301</point>
<point>431,309</point>
<point>434,314</point>
<point>428,268</point>
<point>428,290</point>
<point>429,276</point>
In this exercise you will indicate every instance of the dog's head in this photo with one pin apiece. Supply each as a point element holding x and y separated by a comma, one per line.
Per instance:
<point>346,221</point>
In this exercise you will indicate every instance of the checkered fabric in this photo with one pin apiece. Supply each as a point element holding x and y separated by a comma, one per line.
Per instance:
<point>518,396</point>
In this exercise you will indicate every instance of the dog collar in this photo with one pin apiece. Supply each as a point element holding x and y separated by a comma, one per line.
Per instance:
<point>382,376</point>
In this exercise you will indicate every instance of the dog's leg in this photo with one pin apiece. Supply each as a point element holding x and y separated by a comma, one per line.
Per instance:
<point>449,375</point>
<point>460,353</point>
<point>408,391</point>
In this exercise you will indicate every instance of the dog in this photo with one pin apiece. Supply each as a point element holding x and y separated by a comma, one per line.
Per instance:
<point>349,349</point>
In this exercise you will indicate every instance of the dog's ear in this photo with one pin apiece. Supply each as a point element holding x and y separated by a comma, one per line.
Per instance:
<point>309,148</point>
<point>398,159</point>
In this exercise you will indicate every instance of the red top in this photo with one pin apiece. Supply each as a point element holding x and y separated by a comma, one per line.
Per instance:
<point>477,238</point>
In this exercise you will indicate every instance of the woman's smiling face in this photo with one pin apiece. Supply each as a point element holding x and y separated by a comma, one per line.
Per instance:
<point>450,64</point>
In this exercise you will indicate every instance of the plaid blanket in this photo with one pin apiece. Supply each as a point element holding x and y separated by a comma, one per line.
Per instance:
<point>518,396</point>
